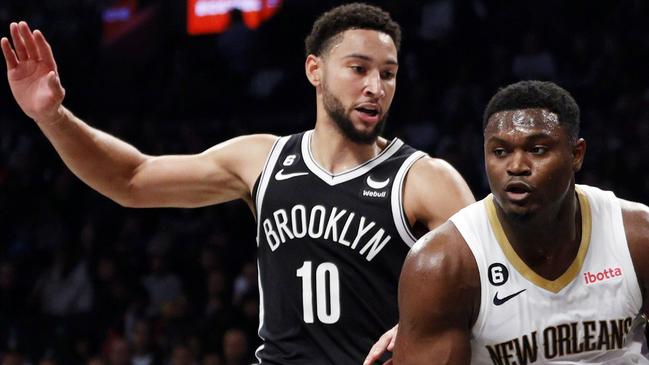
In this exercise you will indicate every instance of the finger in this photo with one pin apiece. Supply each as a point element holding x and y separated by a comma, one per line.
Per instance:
<point>19,45</point>
<point>10,55</point>
<point>393,340</point>
<point>44,49</point>
<point>389,362</point>
<point>28,38</point>
<point>369,360</point>
<point>375,352</point>
<point>54,83</point>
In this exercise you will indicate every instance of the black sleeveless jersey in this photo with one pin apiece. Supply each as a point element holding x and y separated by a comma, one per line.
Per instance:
<point>330,250</point>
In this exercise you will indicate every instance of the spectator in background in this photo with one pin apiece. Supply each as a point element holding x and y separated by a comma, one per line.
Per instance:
<point>97,361</point>
<point>182,355</point>
<point>11,296</point>
<point>163,286</point>
<point>198,276</point>
<point>143,349</point>
<point>217,313</point>
<point>249,308</point>
<point>245,283</point>
<point>119,352</point>
<point>437,20</point>
<point>83,347</point>
<point>534,62</point>
<point>65,287</point>
<point>237,43</point>
<point>215,302</point>
<point>235,347</point>
<point>111,293</point>
<point>12,357</point>
<point>212,359</point>
<point>47,361</point>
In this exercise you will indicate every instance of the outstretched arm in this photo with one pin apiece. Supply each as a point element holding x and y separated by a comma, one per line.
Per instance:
<point>439,294</point>
<point>113,167</point>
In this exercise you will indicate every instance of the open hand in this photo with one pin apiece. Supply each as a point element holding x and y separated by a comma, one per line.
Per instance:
<point>32,74</point>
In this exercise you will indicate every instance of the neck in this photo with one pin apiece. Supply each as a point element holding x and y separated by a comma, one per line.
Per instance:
<point>336,153</point>
<point>549,241</point>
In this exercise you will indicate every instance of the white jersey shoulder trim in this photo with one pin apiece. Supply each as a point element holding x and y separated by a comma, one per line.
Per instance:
<point>398,213</point>
<point>472,224</point>
<point>603,200</point>
<point>266,174</point>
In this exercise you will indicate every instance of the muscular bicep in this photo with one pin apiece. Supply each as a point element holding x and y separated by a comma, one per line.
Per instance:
<point>429,335</point>
<point>437,292</point>
<point>433,192</point>
<point>222,173</point>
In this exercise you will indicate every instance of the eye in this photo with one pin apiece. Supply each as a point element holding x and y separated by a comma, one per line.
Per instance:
<point>358,69</point>
<point>388,75</point>
<point>499,152</point>
<point>539,150</point>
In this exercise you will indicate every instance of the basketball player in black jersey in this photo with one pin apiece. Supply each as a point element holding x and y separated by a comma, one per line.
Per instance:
<point>335,206</point>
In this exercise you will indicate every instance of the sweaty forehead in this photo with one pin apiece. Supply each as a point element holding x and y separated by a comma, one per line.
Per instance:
<point>522,120</point>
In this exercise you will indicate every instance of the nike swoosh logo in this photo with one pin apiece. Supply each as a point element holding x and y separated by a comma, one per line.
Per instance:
<point>501,301</point>
<point>280,175</point>
<point>377,184</point>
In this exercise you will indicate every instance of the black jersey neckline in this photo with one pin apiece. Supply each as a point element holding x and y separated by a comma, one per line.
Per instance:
<point>350,174</point>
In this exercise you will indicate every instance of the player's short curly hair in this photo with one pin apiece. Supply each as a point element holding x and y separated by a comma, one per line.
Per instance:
<point>331,24</point>
<point>536,94</point>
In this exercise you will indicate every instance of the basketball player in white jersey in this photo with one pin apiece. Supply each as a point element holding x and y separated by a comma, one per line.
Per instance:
<point>352,64</point>
<point>541,271</point>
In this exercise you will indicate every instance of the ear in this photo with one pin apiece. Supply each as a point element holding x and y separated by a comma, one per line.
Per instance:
<point>578,154</point>
<point>313,68</point>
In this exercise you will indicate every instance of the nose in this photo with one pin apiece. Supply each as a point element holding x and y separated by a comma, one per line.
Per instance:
<point>374,84</point>
<point>518,164</point>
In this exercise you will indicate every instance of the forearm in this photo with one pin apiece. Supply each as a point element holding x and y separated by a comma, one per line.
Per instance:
<point>102,161</point>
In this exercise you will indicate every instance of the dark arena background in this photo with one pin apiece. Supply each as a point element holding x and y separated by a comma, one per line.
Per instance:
<point>85,281</point>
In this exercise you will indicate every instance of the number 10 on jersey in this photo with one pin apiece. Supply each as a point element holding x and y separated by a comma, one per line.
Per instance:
<point>327,297</point>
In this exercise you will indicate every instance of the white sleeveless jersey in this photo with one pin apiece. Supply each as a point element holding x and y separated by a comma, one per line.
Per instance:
<point>589,315</point>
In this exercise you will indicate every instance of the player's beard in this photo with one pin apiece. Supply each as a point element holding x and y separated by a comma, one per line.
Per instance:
<point>334,107</point>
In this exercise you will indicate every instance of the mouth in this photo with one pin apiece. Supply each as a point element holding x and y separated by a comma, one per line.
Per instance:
<point>369,112</point>
<point>518,191</point>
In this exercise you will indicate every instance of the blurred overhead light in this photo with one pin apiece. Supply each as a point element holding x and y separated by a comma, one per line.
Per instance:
<point>213,16</point>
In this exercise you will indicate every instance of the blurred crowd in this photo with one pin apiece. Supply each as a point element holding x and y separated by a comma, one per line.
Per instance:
<point>84,281</point>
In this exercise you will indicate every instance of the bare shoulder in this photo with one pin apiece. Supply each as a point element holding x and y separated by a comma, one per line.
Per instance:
<point>442,253</point>
<point>429,167</point>
<point>255,146</point>
<point>442,273</point>
<point>433,191</point>
<point>439,295</point>
<point>636,227</point>
<point>244,156</point>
